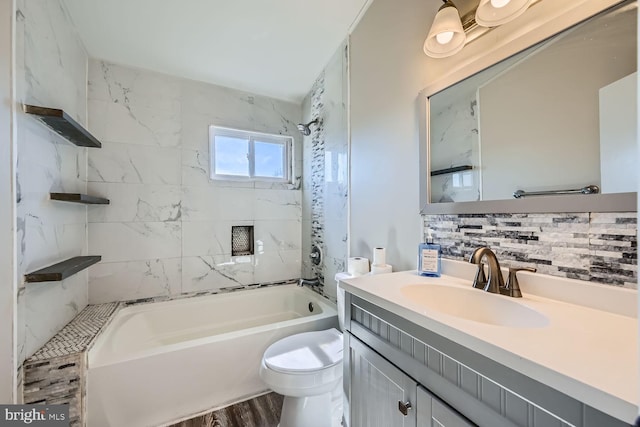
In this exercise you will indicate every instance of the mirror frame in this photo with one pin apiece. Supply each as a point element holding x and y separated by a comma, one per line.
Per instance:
<point>548,20</point>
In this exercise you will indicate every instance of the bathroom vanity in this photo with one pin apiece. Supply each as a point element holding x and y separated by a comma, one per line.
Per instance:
<point>435,352</point>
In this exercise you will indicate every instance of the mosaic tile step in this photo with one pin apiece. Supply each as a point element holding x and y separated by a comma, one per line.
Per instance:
<point>78,334</point>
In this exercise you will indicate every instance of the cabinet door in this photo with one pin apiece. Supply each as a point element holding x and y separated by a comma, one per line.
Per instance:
<point>432,412</point>
<point>381,395</point>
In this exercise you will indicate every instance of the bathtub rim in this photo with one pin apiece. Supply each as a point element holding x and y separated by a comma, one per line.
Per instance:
<point>329,309</point>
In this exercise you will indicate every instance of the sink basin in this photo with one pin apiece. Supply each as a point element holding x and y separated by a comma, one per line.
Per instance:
<point>476,305</point>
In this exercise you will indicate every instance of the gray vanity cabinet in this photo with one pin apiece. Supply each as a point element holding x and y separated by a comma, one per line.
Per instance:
<point>384,396</point>
<point>433,412</point>
<point>393,366</point>
<point>378,390</point>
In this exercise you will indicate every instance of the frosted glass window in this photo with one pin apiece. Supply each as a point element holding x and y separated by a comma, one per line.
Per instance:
<point>243,155</point>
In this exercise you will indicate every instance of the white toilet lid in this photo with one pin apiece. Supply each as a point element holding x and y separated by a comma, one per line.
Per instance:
<point>305,352</point>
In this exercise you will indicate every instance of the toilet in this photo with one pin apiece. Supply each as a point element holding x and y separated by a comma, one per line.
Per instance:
<point>306,369</point>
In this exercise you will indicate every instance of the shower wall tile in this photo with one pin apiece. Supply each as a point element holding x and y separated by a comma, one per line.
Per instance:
<point>46,244</point>
<point>47,161</point>
<point>195,130</point>
<point>595,247</point>
<point>51,65</point>
<point>214,237</point>
<point>206,273</point>
<point>278,204</point>
<point>116,281</point>
<point>214,105</point>
<point>218,203</point>
<point>135,164</point>
<point>168,228</point>
<point>132,87</point>
<point>136,203</point>
<point>195,169</point>
<point>51,60</point>
<point>135,241</point>
<point>278,235</point>
<point>137,125</point>
<point>49,307</point>
<point>271,266</point>
<point>336,200</point>
<point>208,237</point>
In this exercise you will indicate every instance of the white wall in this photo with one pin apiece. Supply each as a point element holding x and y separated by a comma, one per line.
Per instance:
<point>387,70</point>
<point>7,207</point>
<point>168,228</point>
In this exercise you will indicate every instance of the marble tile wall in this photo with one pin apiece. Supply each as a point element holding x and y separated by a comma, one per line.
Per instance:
<point>51,67</point>
<point>168,228</point>
<point>325,183</point>
<point>595,247</point>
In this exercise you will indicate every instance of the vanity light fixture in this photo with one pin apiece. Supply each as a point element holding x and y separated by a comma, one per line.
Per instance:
<point>491,13</point>
<point>448,33</point>
<point>446,36</point>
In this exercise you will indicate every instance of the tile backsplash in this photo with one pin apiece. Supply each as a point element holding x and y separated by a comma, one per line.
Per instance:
<point>595,247</point>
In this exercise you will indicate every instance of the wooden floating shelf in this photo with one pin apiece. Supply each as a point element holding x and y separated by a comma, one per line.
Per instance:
<point>451,170</point>
<point>64,125</point>
<point>62,270</point>
<point>79,198</point>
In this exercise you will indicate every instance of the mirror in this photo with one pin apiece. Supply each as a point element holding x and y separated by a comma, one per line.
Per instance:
<point>557,118</point>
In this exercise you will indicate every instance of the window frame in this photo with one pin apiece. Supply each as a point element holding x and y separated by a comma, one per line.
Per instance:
<point>284,140</point>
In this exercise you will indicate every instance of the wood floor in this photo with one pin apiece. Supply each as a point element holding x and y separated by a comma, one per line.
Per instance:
<point>263,411</point>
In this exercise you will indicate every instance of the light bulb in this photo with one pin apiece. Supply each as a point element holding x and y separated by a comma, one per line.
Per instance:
<point>444,37</point>
<point>499,3</point>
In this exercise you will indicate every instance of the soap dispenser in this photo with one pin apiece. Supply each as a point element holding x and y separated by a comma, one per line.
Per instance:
<point>429,257</point>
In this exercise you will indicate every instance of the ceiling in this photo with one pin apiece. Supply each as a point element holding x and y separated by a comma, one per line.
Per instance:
<point>275,48</point>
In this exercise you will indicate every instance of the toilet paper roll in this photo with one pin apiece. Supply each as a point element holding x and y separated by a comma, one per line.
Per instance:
<point>381,269</point>
<point>357,266</point>
<point>379,256</point>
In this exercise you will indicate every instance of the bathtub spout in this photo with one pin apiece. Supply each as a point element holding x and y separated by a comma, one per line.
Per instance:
<point>310,282</point>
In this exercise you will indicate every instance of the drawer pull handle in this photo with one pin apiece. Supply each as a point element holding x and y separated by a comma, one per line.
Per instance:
<point>404,407</point>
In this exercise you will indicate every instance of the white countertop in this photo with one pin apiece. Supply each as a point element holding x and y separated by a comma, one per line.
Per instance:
<point>587,353</point>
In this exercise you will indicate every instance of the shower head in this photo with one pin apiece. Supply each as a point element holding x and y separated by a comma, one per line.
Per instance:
<point>305,129</point>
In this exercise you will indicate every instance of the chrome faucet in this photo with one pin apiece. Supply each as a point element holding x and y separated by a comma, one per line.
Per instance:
<point>310,282</point>
<point>494,283</point>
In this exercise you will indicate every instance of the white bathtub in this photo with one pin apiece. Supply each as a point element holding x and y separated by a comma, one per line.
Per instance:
<point>162,362</point>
